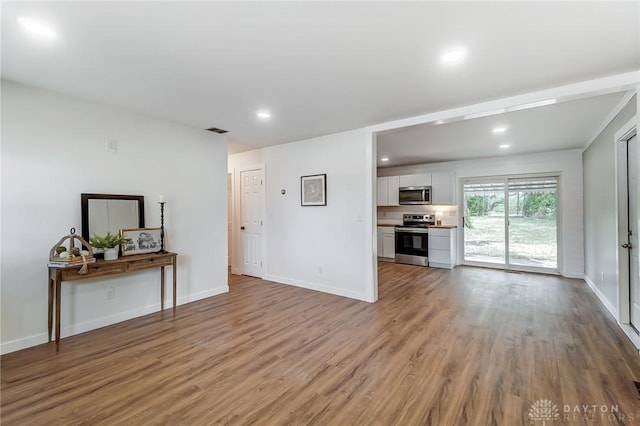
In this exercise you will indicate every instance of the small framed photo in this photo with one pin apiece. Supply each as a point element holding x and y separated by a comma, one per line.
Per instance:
<point>313,190</point>
<point>140,240</point>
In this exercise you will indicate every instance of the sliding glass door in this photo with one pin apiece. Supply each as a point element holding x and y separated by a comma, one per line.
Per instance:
<point>511,222</point>
<point>484,227</point>
<point>533,223</point>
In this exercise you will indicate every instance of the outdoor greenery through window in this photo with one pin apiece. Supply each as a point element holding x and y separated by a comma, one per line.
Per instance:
<point>511,221</point>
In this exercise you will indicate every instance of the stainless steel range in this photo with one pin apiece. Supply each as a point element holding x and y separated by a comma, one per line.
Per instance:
<point>412,239</point>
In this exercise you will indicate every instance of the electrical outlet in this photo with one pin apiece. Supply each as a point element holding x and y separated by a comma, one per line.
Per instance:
<point>601,277</point>
<point>111,293</point>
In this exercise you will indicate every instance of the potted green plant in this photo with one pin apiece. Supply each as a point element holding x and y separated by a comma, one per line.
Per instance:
<point>110,243</point>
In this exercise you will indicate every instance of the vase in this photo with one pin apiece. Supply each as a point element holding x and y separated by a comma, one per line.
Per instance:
<point>111,253</point>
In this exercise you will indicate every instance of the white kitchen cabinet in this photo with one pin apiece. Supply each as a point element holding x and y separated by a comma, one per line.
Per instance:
<point>442,248</point>
<point>392,190</point>
<point>443,188</point>
<point>386,242</point>
<point>382,197</point>
<point>387,194</point>
<point>423,179</point>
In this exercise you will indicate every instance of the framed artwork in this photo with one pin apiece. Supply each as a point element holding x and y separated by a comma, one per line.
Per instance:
<point>140,240</point>
<point>313,190</point>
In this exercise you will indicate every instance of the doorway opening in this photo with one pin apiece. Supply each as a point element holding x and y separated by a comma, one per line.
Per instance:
<point>511,222</point>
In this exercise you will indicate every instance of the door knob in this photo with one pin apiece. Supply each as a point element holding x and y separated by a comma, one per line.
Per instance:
<point>627,246</point>
<point>242,228</point>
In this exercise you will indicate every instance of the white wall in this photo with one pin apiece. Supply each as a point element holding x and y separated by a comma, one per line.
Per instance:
<point>601,222</point>
<point>53,149</point>
<point>338,237</point>
<point>567,163</point>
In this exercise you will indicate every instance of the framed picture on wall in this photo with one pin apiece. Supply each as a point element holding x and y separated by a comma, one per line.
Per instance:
<point>313,190</point>
<point>140,240</point>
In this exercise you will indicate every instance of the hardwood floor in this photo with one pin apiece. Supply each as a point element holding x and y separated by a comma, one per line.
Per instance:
<point>463,347</point>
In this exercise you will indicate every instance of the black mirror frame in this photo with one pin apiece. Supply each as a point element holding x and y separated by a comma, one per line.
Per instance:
<point>84,208</point>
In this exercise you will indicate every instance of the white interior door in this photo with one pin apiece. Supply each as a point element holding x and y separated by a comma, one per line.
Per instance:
<point>251,221</point>
<point>634,207</point>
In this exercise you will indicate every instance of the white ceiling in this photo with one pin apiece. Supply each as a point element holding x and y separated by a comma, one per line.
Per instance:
<point>566,125</point>
<point>319,67</point>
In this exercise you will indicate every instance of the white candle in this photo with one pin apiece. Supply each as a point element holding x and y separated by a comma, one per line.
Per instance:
<point>161,198</point>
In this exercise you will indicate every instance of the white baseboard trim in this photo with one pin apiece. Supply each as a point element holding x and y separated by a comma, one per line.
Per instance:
<point>441,265</point>
<point>318,287</point>
<point>626,328</point>
<point>577,275</point>
<point>601,297</point>
<point>202,295</point>
<point>631,334</point>
<point>38,339</point>
<point>23,343</point>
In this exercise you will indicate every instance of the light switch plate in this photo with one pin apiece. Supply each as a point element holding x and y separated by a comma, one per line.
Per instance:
<point>112,145</point>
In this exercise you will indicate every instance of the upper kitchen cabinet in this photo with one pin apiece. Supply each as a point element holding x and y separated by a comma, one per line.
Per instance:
<point>442,188</point>
<point>423,179</point>
<point>388,191</point>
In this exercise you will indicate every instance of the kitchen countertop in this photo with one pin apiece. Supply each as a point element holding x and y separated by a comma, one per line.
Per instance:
<point>444,226</point>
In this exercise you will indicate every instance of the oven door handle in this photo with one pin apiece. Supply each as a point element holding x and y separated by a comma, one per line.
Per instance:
<point>413,230</point>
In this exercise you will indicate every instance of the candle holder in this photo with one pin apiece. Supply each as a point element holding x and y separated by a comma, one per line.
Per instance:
<point>162,250</point>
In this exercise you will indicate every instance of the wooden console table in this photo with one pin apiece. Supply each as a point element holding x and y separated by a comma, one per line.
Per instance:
<point>101,268</point>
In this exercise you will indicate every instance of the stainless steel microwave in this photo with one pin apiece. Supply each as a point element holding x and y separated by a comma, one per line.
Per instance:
<point>415,195</point>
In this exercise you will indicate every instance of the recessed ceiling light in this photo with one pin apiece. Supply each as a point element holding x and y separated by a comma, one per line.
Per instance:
<point>454,55</point>
<point>499,129</point>
<point>36,27</point>
<point>263,114</point>
<point>384,159</point>
<point>505,146</point>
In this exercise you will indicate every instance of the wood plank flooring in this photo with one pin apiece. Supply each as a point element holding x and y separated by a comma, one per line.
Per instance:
<point>463,347</point>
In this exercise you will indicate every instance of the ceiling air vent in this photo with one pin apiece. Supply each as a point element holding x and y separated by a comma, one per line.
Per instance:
<point>216,130</point>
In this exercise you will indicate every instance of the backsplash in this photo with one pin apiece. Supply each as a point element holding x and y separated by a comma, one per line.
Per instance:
<point>393,215</point>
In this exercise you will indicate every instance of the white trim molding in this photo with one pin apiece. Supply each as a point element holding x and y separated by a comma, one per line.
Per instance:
<point>73,329</point>
<point>319,287</point>
<point>601,297</point>
<point>570,92</point>
<point>614,112</point>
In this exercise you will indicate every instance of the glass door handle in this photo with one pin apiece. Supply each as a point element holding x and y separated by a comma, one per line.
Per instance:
<point>627,246</point>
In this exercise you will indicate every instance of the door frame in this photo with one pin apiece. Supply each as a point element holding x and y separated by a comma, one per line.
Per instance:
<point>230,218</point>
<point>508,265</point>
<point>236,264</point>
<point>625,133</point>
